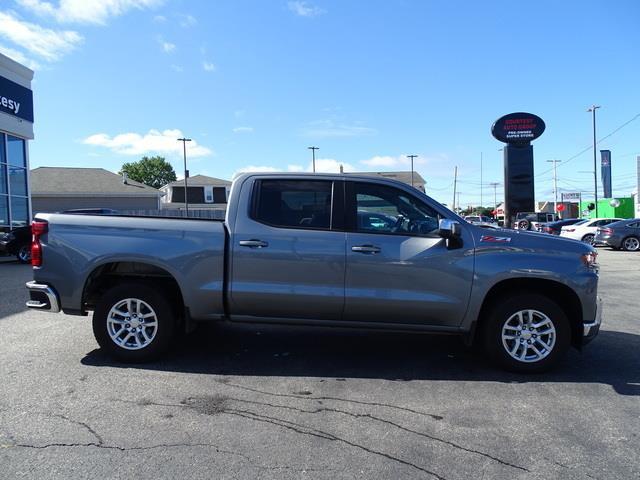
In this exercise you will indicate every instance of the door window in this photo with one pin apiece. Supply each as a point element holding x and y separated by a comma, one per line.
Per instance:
<point>388,210</point>
<point>294,203</point>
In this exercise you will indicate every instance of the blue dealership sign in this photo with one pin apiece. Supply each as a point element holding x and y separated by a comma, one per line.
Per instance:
<point>16,100</point>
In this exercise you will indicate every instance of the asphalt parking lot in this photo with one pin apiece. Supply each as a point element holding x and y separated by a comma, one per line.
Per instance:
<point>234,402</point>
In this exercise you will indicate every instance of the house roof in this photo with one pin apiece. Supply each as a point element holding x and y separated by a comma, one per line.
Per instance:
<point>85,181</point>
<point>200,181</point>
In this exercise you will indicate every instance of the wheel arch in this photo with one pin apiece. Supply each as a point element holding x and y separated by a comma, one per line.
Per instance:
<point>560,293</point>
<point>109,274</point>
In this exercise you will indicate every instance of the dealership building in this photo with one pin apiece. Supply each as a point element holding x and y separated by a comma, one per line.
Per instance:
<point>16,129</point>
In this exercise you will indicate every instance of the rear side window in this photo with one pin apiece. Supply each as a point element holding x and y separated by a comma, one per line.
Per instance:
<point>294,203</point>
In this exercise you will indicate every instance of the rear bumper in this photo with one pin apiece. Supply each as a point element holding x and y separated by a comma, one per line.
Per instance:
<point>591,329</point>
<point>42,297</point>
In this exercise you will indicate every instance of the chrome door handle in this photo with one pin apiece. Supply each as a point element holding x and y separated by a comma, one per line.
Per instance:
<point>366,249</point>
<point>253,243</point>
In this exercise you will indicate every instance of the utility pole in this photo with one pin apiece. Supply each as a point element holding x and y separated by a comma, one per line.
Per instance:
<point>412,157</point>
<point>593,109</point>
<point>555,184</point>
<point>495,197</point>
<point>455,181</point>
<point>313,156</point>
<point>186,172</point>
<point>481,180</point>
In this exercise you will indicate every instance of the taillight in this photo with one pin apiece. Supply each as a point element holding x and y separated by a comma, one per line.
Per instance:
<point>606,231</point>
<point>38,228</point>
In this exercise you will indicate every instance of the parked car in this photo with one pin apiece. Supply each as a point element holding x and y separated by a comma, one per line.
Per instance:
<point>298,249</point>
<point>532,220</point>
<point>17,242</point>
<point>553,228</point>
<point>479,220</point>
<point>586,230</point>
<point>621,235</point>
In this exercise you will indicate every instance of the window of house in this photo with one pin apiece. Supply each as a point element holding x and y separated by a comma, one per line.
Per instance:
<point>294,203</point>
<point>14,202</point>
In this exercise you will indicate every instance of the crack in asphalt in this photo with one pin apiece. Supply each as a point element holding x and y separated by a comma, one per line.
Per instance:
<point>215,405</point>
<point>389,422</point>
<point>127,449</point>
<point>307,397</point>
<point>304,430</point>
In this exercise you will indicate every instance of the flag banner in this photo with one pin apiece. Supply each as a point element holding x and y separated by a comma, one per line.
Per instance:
<point>605,170</point>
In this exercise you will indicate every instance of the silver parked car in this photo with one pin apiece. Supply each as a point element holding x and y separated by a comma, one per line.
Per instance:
<point>624,234</point>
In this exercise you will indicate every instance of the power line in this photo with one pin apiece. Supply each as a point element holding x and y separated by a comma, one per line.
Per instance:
<point>591,146</point>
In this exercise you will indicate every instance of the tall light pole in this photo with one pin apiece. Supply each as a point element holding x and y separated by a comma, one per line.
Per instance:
<point>411,157</point>
<point>186,172</point>
<point>555,184</point>
<point>593,109</point>
<point>313,156</point>
<point>481,180</point>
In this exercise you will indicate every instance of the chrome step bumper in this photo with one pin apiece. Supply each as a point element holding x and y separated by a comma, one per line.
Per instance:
<point>42,297</point>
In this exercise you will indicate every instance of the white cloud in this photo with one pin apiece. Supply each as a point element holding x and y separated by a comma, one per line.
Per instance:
<point>243,130</point>
<point>305,9</point>
<point>208,66</point>
<point>48,44</point>
<point>152,143</point>
<point>86,11</point>
<point>329,128</point>
<point>159,19</point>
<point>167,47</point>
<point>187,20</point>
<point>393,162</point>
<point>177,68</point>
<point>329,165</point>
<point>323,165</point>
<point>19,57</point>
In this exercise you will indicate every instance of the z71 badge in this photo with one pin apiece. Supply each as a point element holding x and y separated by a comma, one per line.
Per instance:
<point>492,239</point>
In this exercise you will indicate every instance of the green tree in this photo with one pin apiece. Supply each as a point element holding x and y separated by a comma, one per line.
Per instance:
<point>152,171</point>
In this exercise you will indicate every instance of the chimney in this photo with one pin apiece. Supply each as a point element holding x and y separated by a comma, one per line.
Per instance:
<point>341,169</point>
<point>124,178</point>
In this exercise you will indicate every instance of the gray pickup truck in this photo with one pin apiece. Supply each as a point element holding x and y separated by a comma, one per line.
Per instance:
<point>319,250</point>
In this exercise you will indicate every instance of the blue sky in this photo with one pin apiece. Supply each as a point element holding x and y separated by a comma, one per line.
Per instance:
<point>254,83</point>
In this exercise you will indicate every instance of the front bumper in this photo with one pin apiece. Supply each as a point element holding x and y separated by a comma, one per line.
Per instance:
<point>590,330</point>
<point>42,297</point>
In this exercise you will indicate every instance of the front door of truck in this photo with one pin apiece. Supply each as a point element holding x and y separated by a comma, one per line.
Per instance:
<point>288,251</point>
<point>398,269</point>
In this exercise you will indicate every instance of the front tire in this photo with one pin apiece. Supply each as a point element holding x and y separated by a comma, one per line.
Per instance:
<point>134,323</point>
<point>527,333</point>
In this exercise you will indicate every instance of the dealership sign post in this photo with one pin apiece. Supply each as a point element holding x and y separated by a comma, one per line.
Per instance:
<point>517,130</point>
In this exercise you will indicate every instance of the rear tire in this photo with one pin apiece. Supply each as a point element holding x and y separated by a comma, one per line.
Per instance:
<point>524,225</point>
<point>631,244</point>
<point>527,333</point>
<point>134,323</point>
<point>589,238</point>
<point>24,254</point>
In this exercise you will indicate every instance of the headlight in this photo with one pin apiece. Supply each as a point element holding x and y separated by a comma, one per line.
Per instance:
<point>590,260</point>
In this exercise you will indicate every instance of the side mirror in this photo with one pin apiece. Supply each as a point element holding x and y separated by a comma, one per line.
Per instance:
<point>449,229</point>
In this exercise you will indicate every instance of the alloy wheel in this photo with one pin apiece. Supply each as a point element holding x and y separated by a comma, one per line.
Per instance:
<point>132,324</point>
<point>528,336</point>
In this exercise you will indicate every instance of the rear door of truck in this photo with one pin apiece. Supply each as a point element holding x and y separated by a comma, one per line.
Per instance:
<point>288,250</point>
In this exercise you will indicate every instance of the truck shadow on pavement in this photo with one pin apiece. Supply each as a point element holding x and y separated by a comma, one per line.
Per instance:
<point>613,358</point>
